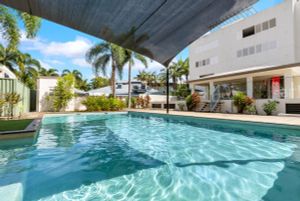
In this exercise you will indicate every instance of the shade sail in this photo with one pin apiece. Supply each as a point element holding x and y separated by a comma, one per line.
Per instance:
<point>159,29</point>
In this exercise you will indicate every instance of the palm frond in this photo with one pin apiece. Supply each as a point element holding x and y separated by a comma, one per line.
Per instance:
<point>31,23</point>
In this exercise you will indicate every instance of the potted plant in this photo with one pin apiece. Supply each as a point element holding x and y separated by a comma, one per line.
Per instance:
<point>270,107</point>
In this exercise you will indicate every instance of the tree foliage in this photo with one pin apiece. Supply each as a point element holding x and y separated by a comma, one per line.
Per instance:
<point>62,93</point>
<point>9,26</point>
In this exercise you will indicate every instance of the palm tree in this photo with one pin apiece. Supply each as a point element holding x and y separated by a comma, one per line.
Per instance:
<point>76,73</point>
<point>48,72</point>
<point>184,68</point>
<point>130,57</point>
<point>9,25</point>
<point>101,54</point>
<point>28,69</point>
<point>150,78</point>
<point>8,58</point>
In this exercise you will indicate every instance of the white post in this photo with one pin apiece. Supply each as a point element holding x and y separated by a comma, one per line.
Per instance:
<point>250,87</point>
<point>288,86</point>
<point>192,88</point>
<point>211,88</point>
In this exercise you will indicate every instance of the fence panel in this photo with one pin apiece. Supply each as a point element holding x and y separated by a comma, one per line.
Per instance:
<point>13,85</point>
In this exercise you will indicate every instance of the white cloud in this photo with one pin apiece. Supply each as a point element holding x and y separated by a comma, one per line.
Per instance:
<point>45,64</point>
<point>152,66</point>
<point>70,49</point>
<point>54,62</point>
<point>80,62</point>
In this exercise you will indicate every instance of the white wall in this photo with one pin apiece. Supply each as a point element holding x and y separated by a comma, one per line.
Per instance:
<point>45,86</point>
<point>222,46</point>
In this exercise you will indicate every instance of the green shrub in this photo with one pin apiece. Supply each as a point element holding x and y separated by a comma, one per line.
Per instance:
<point>62,93</point>
<point>102,103</point>
<point>270,107</point>
<point>182,91</point>
<point>240,100</point>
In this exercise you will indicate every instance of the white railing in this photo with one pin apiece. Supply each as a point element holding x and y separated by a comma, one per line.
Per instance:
<point>215,99</point>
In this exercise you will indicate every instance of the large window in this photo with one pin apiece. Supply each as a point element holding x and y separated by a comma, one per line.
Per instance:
<point>268,87</point>
<point>229,88</point>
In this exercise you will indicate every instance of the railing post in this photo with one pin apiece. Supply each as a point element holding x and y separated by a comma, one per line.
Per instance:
<point>167,83</point>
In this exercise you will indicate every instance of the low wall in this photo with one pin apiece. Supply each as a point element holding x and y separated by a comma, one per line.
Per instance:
<point>228,106</point>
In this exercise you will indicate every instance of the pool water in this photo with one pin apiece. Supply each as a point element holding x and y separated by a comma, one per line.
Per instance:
<point>154,157</point>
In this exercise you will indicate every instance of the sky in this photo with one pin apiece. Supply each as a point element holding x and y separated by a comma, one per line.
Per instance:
<point>60,47</point>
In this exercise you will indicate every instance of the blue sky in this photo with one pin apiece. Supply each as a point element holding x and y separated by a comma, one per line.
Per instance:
<point>60,47</point>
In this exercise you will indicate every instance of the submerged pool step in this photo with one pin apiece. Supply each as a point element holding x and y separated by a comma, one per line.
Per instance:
<point>12,192</point>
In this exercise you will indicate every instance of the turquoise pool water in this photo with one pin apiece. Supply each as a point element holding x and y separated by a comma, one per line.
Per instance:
<point>153,157</point>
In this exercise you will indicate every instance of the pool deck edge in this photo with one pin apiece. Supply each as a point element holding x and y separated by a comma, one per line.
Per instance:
<point>279,120</point>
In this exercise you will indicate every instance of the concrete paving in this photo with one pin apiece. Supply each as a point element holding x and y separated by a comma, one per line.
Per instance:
<point>284,120</point>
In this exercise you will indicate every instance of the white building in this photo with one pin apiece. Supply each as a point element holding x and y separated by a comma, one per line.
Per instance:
<point>137,87</point>
<point>6,73</point>
<point>45,86</point>
<point>259,55</point>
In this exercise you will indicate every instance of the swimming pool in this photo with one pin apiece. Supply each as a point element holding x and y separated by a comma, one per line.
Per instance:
<point>141,157</point>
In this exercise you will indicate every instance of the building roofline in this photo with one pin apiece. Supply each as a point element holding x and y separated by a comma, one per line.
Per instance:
<point>247,71</point>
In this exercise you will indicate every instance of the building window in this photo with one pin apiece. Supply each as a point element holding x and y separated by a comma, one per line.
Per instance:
<point>251,50</point>
<point>258,48</point>
<point>229,88</point>
<point>203,62</point>
<point>239,53</point>
<point>272,23</point>
<point>268,87</point>
<point>259,28</point>
<point>265,25</point>
<point>245,52</point>
<point>248,32</point>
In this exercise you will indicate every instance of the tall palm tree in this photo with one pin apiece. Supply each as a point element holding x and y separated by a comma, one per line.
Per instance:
<point>130,57</point>
<point>9,24</point>
<point>48,72</point>
<point>184,68</point>
<point>104,53</point>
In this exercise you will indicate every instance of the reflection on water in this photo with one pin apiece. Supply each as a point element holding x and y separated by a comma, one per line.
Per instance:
<point>133,157</point>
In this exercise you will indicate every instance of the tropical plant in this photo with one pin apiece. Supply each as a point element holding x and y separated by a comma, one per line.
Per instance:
<point>102,103</point>
<point>101,54</point>
<point>181,106</point>
<point>99,82</point>
<point>9,26</point>
<point>193,101</point>
<point>130,57</point>
<point>48,72</point>
<point>182,91</point>
<point>240,100</point>
<point>62,93</point>
<point>28,69</point>
<point>2,103</point>
<point>270,107</point>
<point>8,57</point>
<point>149,78</point>
<point>251,109</point>
<point>12,99</point>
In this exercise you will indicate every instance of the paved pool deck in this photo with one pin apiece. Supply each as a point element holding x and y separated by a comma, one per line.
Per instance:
<point>283,120</point>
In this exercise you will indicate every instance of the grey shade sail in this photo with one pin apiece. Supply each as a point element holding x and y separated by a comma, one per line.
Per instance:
<point>159,29</point>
